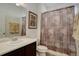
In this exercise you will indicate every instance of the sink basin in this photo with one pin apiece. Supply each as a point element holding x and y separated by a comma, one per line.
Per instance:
<point>14,39</point>
<point>13,42</point>
<point>17,41</point>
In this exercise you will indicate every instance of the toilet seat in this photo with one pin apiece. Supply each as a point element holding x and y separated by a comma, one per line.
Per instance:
<point>42,48</point>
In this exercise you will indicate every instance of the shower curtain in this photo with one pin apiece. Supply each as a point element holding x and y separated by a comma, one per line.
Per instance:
<point>57,30</point>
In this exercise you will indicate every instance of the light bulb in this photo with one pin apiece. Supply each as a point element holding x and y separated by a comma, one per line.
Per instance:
<point>17,4</point>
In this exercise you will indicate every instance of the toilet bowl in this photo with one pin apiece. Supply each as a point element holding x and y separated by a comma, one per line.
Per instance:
<point>41,50</point>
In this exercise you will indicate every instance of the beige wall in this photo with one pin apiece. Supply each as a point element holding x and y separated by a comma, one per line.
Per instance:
<point>32,33</point>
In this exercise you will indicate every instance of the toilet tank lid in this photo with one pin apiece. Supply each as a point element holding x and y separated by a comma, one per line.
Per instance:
<point>41,47</point>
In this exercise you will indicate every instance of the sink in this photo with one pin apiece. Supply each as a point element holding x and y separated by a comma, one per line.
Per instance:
<point>16,41</point>
<point>13,42</point>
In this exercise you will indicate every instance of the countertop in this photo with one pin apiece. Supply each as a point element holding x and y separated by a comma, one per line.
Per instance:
<point>8,46</point>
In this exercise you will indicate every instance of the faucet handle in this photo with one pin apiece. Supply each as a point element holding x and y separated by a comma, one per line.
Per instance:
<point>14,39</point>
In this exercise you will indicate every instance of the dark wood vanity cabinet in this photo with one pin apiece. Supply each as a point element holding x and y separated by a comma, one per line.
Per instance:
<point>29,50</point>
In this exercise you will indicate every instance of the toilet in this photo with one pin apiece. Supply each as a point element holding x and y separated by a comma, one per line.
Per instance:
<point>41,50</point>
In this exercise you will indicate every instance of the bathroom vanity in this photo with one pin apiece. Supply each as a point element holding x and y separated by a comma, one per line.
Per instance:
<point>21,47</point>
<point>28,50</point>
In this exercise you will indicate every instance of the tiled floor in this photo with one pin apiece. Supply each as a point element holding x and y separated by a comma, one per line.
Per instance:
<point>47,54</point>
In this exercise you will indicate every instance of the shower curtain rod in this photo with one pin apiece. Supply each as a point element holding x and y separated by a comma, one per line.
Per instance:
<point>57,9</point>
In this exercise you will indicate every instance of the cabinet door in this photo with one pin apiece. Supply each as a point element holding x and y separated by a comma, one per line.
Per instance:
<point>30,50</point>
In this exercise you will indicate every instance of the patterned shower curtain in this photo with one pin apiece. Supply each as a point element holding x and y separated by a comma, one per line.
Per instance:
<point>57,30</point>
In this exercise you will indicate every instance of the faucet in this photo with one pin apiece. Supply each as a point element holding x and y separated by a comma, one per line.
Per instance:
<point>14,39</point>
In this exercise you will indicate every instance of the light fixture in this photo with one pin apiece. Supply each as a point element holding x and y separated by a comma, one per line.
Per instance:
<point>19,4</point>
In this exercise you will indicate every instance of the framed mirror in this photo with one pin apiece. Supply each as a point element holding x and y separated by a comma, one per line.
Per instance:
<point>12,20</point>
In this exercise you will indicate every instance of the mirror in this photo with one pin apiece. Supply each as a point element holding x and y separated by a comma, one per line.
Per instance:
<point>12,20</point>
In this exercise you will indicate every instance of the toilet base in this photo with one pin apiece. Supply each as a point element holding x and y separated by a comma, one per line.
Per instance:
<point>41,54</point>
<point>41,50</point>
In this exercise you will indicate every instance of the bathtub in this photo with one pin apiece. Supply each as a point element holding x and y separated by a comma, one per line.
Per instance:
<point>51,52</point>
<point>54,53</point>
